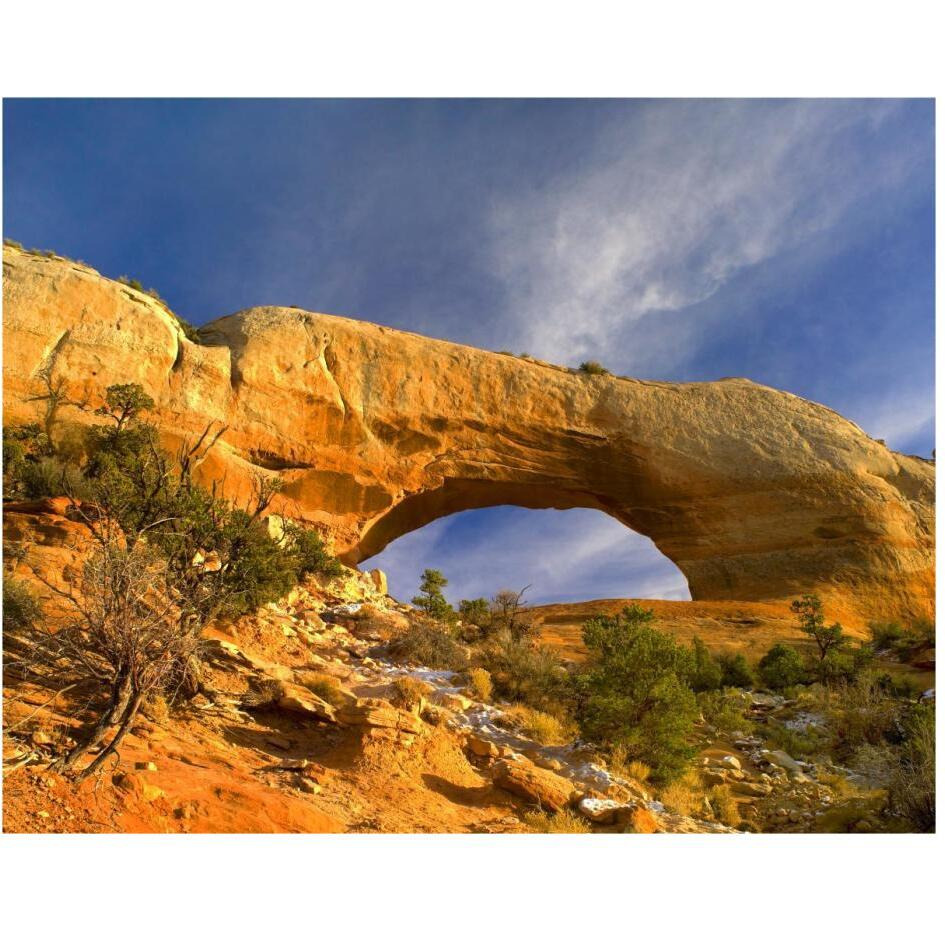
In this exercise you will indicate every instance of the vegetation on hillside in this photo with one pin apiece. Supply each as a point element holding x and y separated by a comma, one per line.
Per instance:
<point>168,555</point>
<point>642,697</point>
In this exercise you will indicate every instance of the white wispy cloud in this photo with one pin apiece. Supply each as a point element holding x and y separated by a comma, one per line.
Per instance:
<point>668,207</point>
<point>564,555</point>
<point>899,417</point>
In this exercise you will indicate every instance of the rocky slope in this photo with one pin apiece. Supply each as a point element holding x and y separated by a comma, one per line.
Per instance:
<point>754,493</point>
<point>302,728</point>
<point>266,752</point>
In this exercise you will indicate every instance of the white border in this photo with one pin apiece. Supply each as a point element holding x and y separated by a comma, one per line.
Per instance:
<point>459,889</point>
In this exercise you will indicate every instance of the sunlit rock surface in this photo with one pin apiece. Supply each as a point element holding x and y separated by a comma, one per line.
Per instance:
<point>754,493</point>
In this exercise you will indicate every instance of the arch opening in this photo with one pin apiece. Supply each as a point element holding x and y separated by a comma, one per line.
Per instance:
<point>564,556</point>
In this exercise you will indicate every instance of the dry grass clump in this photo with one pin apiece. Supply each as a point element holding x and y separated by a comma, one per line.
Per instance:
<point>324,686</point>
<point>480,683</point>
<point>409,692</point>
<point>565,821</point>
<point>631,769</point>
<point>539,726</point>
<point>684,795</point>
<point>724,808</point>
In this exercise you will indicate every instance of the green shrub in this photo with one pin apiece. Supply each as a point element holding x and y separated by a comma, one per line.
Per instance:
<point>131,283</point>
<point>475,615</point>
<point>798,744</point>
<point>592,367</point>
<point>21,607</point>
<point>781,667</point>
<point>15,244</point>
<point>24,446</point>
<point>706,672</point>
<point>898,685</point>
<point>634,691</point>
<point>50,477</point>
<point>735,671</point>
<point>428,643</point>
<point>724,710</point>
<point>308,553</point>
<point>923,632</point>
<point>883,636</point>
<point>843,665</point>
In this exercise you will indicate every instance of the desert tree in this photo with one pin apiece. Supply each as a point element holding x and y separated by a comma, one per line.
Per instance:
<point>810,612</point>
<point>168,555</point>
<point>508,613</point>
<point>431,600</point>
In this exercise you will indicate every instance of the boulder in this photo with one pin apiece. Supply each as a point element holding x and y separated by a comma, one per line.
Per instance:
<point>379,580</point>
<point>549,764</point>
<point>298,699</point>
<point>454,701</point>
<point>598,810</point>
<point>638,819</point>
<point>752,788</point>
<point>379,713</point>
<point>481,747</point>
<point>781,759</point>
<point>545,788</point>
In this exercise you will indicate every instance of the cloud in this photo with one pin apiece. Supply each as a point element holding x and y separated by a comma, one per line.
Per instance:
<point>902,418</point>
<point>669,206</point>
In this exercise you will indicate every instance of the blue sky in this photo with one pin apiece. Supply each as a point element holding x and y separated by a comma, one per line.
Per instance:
<point>786,241</point>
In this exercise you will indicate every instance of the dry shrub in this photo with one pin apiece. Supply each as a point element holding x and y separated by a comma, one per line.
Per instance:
<point>723,805</point>
<point>684,795</point>
<point>324,686</point>
<point>427,643</point>
<point>859,814</point>
<point>540,726</point>
<point>861,713</point>
<point>480,684</point>
<point>631,769</point>
<point>409,692</point>
<point>912,792</point>
<point>565,821</point>
<point>156,709</point>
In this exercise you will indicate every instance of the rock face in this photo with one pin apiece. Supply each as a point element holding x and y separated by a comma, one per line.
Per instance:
<point>754,493</point>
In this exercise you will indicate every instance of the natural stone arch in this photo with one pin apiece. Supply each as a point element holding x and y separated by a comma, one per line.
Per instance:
<point>754,493</point>
<point>636,569</point>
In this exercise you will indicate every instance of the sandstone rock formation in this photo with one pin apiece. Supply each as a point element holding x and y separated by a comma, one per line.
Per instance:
<point>754,493</point>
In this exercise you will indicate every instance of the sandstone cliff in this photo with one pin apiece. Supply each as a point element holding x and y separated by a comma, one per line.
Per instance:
<point>754,493</point>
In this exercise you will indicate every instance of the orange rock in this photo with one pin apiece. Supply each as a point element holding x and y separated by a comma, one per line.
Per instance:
<point>545,788</point>
<point>754,493</point>
<point>643,821</point>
